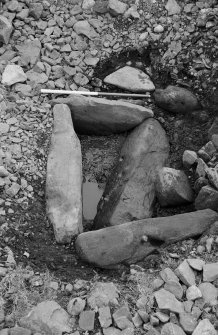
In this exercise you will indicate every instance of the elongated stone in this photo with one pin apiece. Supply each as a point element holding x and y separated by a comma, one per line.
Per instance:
<point>98,116</point>
<point>130,192</point>
<point>64,178</point>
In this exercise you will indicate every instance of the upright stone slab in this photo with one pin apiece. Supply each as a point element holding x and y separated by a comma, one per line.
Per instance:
<point>97,116</point>
<point>64,178</point>
<point>130,192</point>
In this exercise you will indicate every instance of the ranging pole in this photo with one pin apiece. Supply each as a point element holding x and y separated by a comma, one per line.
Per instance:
<point>103,94</point>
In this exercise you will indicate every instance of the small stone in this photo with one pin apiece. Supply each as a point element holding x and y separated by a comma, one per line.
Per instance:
<point>13,74</point>
<point>69,288</point>
<point>215,140</point>
<point>209,292</point>
<point>210,272</point>
<point>175,288</point>
<point>185,273</point>
<point>76,306</point>
<point>20,331</point>
<point>105,317</point>
<point>168,275</point>
<point>193,293</point>
<point>167,301</point>
<point>196,263</point>
<point>137,320</point>
<point>162,317</point>
<point>111,331</point>
<point>3,172</point>
<point>54,285</point>
<point>13,190</point>
<point>188,306</point>
<point>189,158</point>
<point>200,249</point>
<point>157,283</point>
<point>143,315</point>
<point>35,10</point>
<point>86,320</point>
<point>141,302</point>
<point>103,294</point>
<point>5,29</point>
<point>188,322</point>
<point>154,321</point>
<point>172,329</point>
<point>172,7</point>
<point>204,328</point>
<point>122,318</point>
<point>158,29</point>
<point>116,7</point>
<point>207,198</point>
<point>209,243</point>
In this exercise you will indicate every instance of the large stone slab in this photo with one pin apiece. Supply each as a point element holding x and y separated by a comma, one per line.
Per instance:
<point>100,116</point>
<point>13,74</point>
<point>133,241</point>
<point>131,79</point>
<point>64,178</point>
<point>130,192</point>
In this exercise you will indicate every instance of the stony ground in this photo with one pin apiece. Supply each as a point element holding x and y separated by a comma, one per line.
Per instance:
<point>178,47</point>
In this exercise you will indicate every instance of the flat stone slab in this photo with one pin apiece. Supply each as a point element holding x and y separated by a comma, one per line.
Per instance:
<point>13,74</point>
<point>130,191</point>
<point>98,116</point>
<point>205,328</point>
<point>185,273</point>
<point>130,79</point>
<point>64,178</point>
<point>167,301</point>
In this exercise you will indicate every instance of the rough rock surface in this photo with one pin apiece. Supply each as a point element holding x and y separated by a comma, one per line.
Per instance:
<point>48,317</point>
<point>131,79</point>
<point>64,178</point>
<point>5,29</point>
<point>207,198</point>
<point>13,74</point>
<point>133,241</point>
<point>173,187</point>
<point>130,192</point>
<point>101,116</point>
<point>177,100</point>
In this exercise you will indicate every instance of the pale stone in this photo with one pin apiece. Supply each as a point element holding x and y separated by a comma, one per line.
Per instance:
<point>172,7</point>
<point>5,29</point>
<point>76,306</point>
<point>210,272</point>
<point>168,275</point>
<point>117,7</point>
<point>84,28</point>
<point>172,329</point>
<point>29,52</point>
<point>167,301</point>
<point>130,79</point>
<point>13,74</point>
<point>87,320</point>
<point>122,318</point>
<point>175,288</point>
<point>193,293</point>
<point>196,263</point>
<point>209,292</point>
<point>64,178</point>
<point>103,294</point>
<point>188,322</point>
<point>204,328</point>
<point>105,317</point>
<point>189,158</point>
<point>185,273</point>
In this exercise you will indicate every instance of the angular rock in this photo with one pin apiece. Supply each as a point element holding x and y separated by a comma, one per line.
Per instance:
<point>130,192</point>
<point>36,78</point>
<point>105,317</point>
<point>213,129</point>
<point>210,272</point>
<point>5,29</point>
<point>64,178</point>
<point>103,294</point>
<point>131,79</point>
<point>185,273</point>
<point>209,292</point>
<point>162,317</point>
<point>111,331</point>
<point>175,288</point>
<point>172,329</point>
<point>84,28</point>
<point>173,187</point>
<point>188,322</point>
<point>212,175</point>
<point>172,7</point>
<point>87,320</point>
<point>193,293</point>
<point>18,331</point>
<point>176,100</point>
<point>97,116</point>
<point>125,243</point>
<point>116,7</point>
<point>137,320</point>
<point>167,301</point>
<point>29,52</point>
<point>189,158</point>
<point>35,10</point>
<point>204,328</point>
<point>122,318</point>
<point>49,317</point>
<point>76,306</point>
<point>207,198</point>
<point>13,74</point>
<point>168,275</point>
<point>196,263</point>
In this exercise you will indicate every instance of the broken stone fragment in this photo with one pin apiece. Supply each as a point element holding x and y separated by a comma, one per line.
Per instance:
<point>35,10</point>
<point>193,293</point>
<point>103,294</point>
<point>123,243</point>
<point>185,273</point>
<point>47,315</point>
<point>163,317</point>
<point>167,301</point>
<point>188,322</point>
<point>64,178</point>
<point>168,275</point>
<point>87,320</point>
<point>172,329</point>
<point>209,292</point>
<point>98,116</point>
<point>176,100</point>
<point>130,192</point>
<point>175,288</point>
<point>173,187</point>
<point>204,328</point>
<point>212,175</point>
<point>13,74</point>
<point>116,7</point>
<point>207,198</point>
<point>137,320</point>
<point>5,29</point>
<point>172,7</point>
<point>213,129</point>
<point>210,272</point>
<point>76,306</point>
<point>189,158</point>
<point>29,52</point>
<point>84,28</point>
<point>131,79</point>
<point>105,317</point>
<point>196,263</point>
<point>122,318</point>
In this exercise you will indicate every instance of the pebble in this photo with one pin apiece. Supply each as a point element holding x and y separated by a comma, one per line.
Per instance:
<point>159,29</point>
